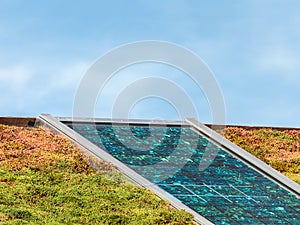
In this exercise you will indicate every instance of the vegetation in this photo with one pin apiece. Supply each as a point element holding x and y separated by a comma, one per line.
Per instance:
<point>279,149</point>
<point>44,179</point>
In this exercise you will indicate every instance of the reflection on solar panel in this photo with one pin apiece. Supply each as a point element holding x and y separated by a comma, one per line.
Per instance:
<point>228,191</point>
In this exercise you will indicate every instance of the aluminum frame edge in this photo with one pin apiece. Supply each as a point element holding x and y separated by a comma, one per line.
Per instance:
<point>57,126</point>
<point>243,154</point>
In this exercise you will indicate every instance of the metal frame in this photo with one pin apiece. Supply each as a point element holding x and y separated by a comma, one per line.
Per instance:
<point>124,121</point>
<point>245,156</point>
<point>58,127</point>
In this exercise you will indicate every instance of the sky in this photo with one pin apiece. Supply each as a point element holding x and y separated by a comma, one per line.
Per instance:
<point>252,48</point>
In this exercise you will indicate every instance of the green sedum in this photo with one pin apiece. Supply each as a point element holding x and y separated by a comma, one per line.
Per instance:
<point>44,179</point>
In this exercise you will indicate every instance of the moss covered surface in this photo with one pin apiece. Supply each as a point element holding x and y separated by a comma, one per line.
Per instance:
<point>44,179</point>
<point>279,149</point>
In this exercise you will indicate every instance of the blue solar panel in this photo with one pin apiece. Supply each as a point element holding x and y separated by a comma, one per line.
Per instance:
<point>228,191</point>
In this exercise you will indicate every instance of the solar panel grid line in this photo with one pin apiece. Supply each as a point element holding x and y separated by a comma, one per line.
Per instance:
<point>193,193</point>
<point>217,193</point>
<point>243,193</point>
<point>249,219</point>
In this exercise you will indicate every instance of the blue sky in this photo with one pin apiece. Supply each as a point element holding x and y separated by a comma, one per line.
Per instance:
<point>252,47</point>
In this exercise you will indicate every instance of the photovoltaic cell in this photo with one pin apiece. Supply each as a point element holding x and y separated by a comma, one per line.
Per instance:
<point>228,191</point>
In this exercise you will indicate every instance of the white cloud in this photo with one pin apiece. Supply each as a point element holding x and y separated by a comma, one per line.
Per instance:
<point>27,91</point>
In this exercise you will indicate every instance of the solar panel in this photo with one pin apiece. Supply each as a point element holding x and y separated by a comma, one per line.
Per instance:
<point>228,191</point>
